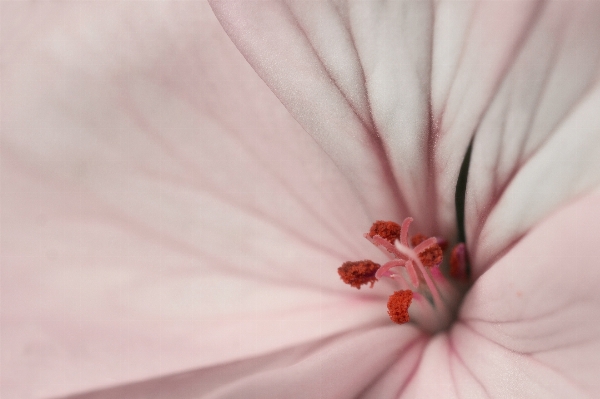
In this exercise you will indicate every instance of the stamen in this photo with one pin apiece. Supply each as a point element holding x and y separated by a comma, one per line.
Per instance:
<point>416,270</point>
<point>404,230</point>
<point>423,313</point>
<point>385,246</point>
<point>425,244</point>
<point>398,305</point>
<point>388,230</point>
<point>417,239</point>
<point>432,288</point>
<point>431,256</point>
<point>410,268</point>
<point>450,294</point>
<point>383,271</point>
<point>359,273</point>
<point>401,280</point>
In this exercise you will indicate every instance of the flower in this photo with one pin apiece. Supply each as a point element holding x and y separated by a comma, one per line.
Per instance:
<point>169,230</point>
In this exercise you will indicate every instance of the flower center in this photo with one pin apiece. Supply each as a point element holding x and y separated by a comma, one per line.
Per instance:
<point>429,292</point>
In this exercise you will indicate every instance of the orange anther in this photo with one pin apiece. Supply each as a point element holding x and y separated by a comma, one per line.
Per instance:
<point>358,273</point>
<point>398,305</point>
<point>388,230</point>
<point>417,239</point>
<point>431,256</point>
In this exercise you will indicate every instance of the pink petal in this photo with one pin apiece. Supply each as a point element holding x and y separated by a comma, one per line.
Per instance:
<point>161,211</point>
<point>326,368</point>
<point>465,365</point>
<point>538,311</point>
<point>538,145</point>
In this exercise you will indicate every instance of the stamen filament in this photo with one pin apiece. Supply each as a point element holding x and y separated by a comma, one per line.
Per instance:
<point>425,244</point>
<point>448,292</point>
<point>415,258</point>
<point>381,242</point>
<point>423,313</point>
<point>384,270</point>
<point>401,280</point>
<point>404,230</point>
<point>410,268</point>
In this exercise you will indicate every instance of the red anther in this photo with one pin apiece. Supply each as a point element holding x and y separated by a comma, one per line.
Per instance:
<point>398,305</point>
<point>388,230</point>
<point>458,262</point>
<point>358,273</point>
<point>417,239</point>
<point>431,256</point>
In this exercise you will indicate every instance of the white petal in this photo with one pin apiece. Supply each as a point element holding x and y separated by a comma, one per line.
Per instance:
<point>327,97</point>
<point>425,72</point>
<point>538,145</point>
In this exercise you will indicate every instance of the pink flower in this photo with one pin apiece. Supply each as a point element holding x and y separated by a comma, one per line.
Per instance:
<point>169,230</point>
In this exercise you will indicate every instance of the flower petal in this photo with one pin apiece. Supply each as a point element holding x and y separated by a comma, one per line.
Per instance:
<point>326,368</point>
<point>161,210</point>
<point>538,311</point>
<point>474,43</point>
<point>425,72</point>
<point>313,67</point>
<point>538,145</point>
